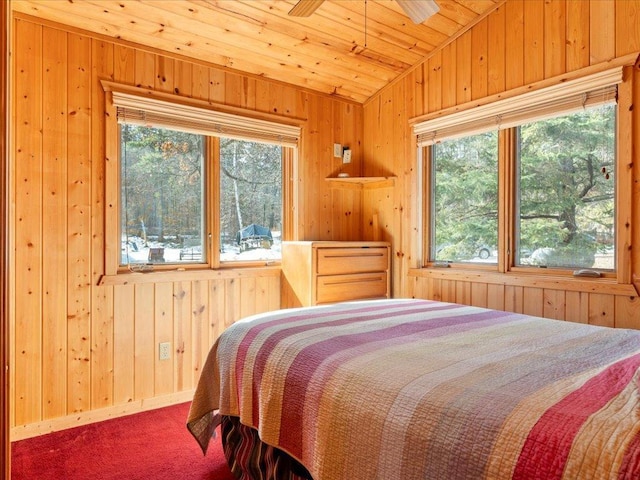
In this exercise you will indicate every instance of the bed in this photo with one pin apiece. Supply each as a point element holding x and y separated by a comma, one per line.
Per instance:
<point>416,389</point>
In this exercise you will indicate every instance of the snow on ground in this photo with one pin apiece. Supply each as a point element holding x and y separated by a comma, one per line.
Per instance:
<point>136,252</point>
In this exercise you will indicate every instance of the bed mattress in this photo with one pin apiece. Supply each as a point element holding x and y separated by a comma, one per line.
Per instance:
<point>416,389</point>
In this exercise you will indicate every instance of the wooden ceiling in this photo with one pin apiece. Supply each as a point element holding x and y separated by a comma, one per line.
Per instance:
<point>347,48</point>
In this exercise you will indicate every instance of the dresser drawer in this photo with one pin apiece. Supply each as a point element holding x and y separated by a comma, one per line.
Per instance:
<point>327,271</point>
<point>339,288</point>
<point>332,261</point>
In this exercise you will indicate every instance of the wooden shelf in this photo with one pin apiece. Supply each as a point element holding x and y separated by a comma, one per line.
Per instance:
<point>360,182</point>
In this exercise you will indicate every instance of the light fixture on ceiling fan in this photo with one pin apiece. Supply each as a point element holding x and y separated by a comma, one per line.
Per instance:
<point>417,10</point>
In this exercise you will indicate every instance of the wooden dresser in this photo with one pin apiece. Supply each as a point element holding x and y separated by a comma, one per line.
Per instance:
<point>326,272</point>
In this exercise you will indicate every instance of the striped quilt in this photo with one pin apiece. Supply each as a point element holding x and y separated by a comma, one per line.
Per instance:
<point>415,389</point>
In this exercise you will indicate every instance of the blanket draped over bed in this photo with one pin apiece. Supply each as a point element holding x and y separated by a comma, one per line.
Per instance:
<point>408,389</point>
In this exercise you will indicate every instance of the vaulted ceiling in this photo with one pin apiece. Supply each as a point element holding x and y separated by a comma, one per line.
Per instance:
<point>346,48</point>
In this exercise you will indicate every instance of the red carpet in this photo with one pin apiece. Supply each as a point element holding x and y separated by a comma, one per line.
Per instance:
<point>150,445</point>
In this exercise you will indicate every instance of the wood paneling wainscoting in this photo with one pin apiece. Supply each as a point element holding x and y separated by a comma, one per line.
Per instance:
<point>141,314</point>
<point>521,46</point>
<point>85,347</point>
<point>609,305</point>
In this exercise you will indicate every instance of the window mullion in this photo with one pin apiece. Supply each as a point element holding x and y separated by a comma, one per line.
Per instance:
<point>288,194</point>
<point>505,199</point>
<point>213,200</point>
<point>427,204</point>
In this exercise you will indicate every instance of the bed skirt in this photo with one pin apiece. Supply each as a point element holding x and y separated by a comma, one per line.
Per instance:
<point>251,459</point>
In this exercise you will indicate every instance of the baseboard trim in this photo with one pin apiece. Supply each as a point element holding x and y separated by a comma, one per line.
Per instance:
<point>23,432</point>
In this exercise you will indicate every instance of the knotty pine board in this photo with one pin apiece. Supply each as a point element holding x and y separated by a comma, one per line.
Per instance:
<point>81,348</point>
<point>524,43</point>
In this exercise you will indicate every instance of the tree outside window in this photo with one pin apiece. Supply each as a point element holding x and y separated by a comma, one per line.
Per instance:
<point>566,186</point>
<point>563,201</point>
<point>162,196</point>
<point>465,199</point>
<point>250,200</point>
<point>164,212</point>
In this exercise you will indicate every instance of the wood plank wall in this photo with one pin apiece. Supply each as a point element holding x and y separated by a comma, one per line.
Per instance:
<point>83,352</point>
<point>5,450</point>
<point>519,44</point>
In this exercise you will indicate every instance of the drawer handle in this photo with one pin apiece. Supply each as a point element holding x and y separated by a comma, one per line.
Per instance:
<point>353,256</point>
<point>369,280</point>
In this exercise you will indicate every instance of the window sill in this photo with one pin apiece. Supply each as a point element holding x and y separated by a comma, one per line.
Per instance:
<point>552,282</point>
<point>184,275</point>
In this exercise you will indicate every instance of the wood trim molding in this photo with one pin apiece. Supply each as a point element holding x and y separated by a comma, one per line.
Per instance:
<point>188,275</point>
<point>624,185</point>
<point>551,282</point>
<point>85,418</point>
<point>5,473</point>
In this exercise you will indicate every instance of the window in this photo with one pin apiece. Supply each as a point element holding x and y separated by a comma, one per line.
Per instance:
<point>465,199</point>
<point>565,203</point>
<point>250,200</point>
<point>196,187</point>
<point>162,196</point>
<point>526,182</point>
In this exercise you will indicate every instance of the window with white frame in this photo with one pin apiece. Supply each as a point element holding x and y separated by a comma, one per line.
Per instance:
<point>556,209</point>
<point>198,187</point>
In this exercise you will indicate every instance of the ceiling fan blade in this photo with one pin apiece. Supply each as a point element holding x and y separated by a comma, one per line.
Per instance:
<point>419,10</point>
<point>305,8</point>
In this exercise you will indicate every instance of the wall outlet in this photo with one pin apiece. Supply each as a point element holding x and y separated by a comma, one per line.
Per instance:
<point>337,150</point>
<point>164,350</point>
<point>346,156</point>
